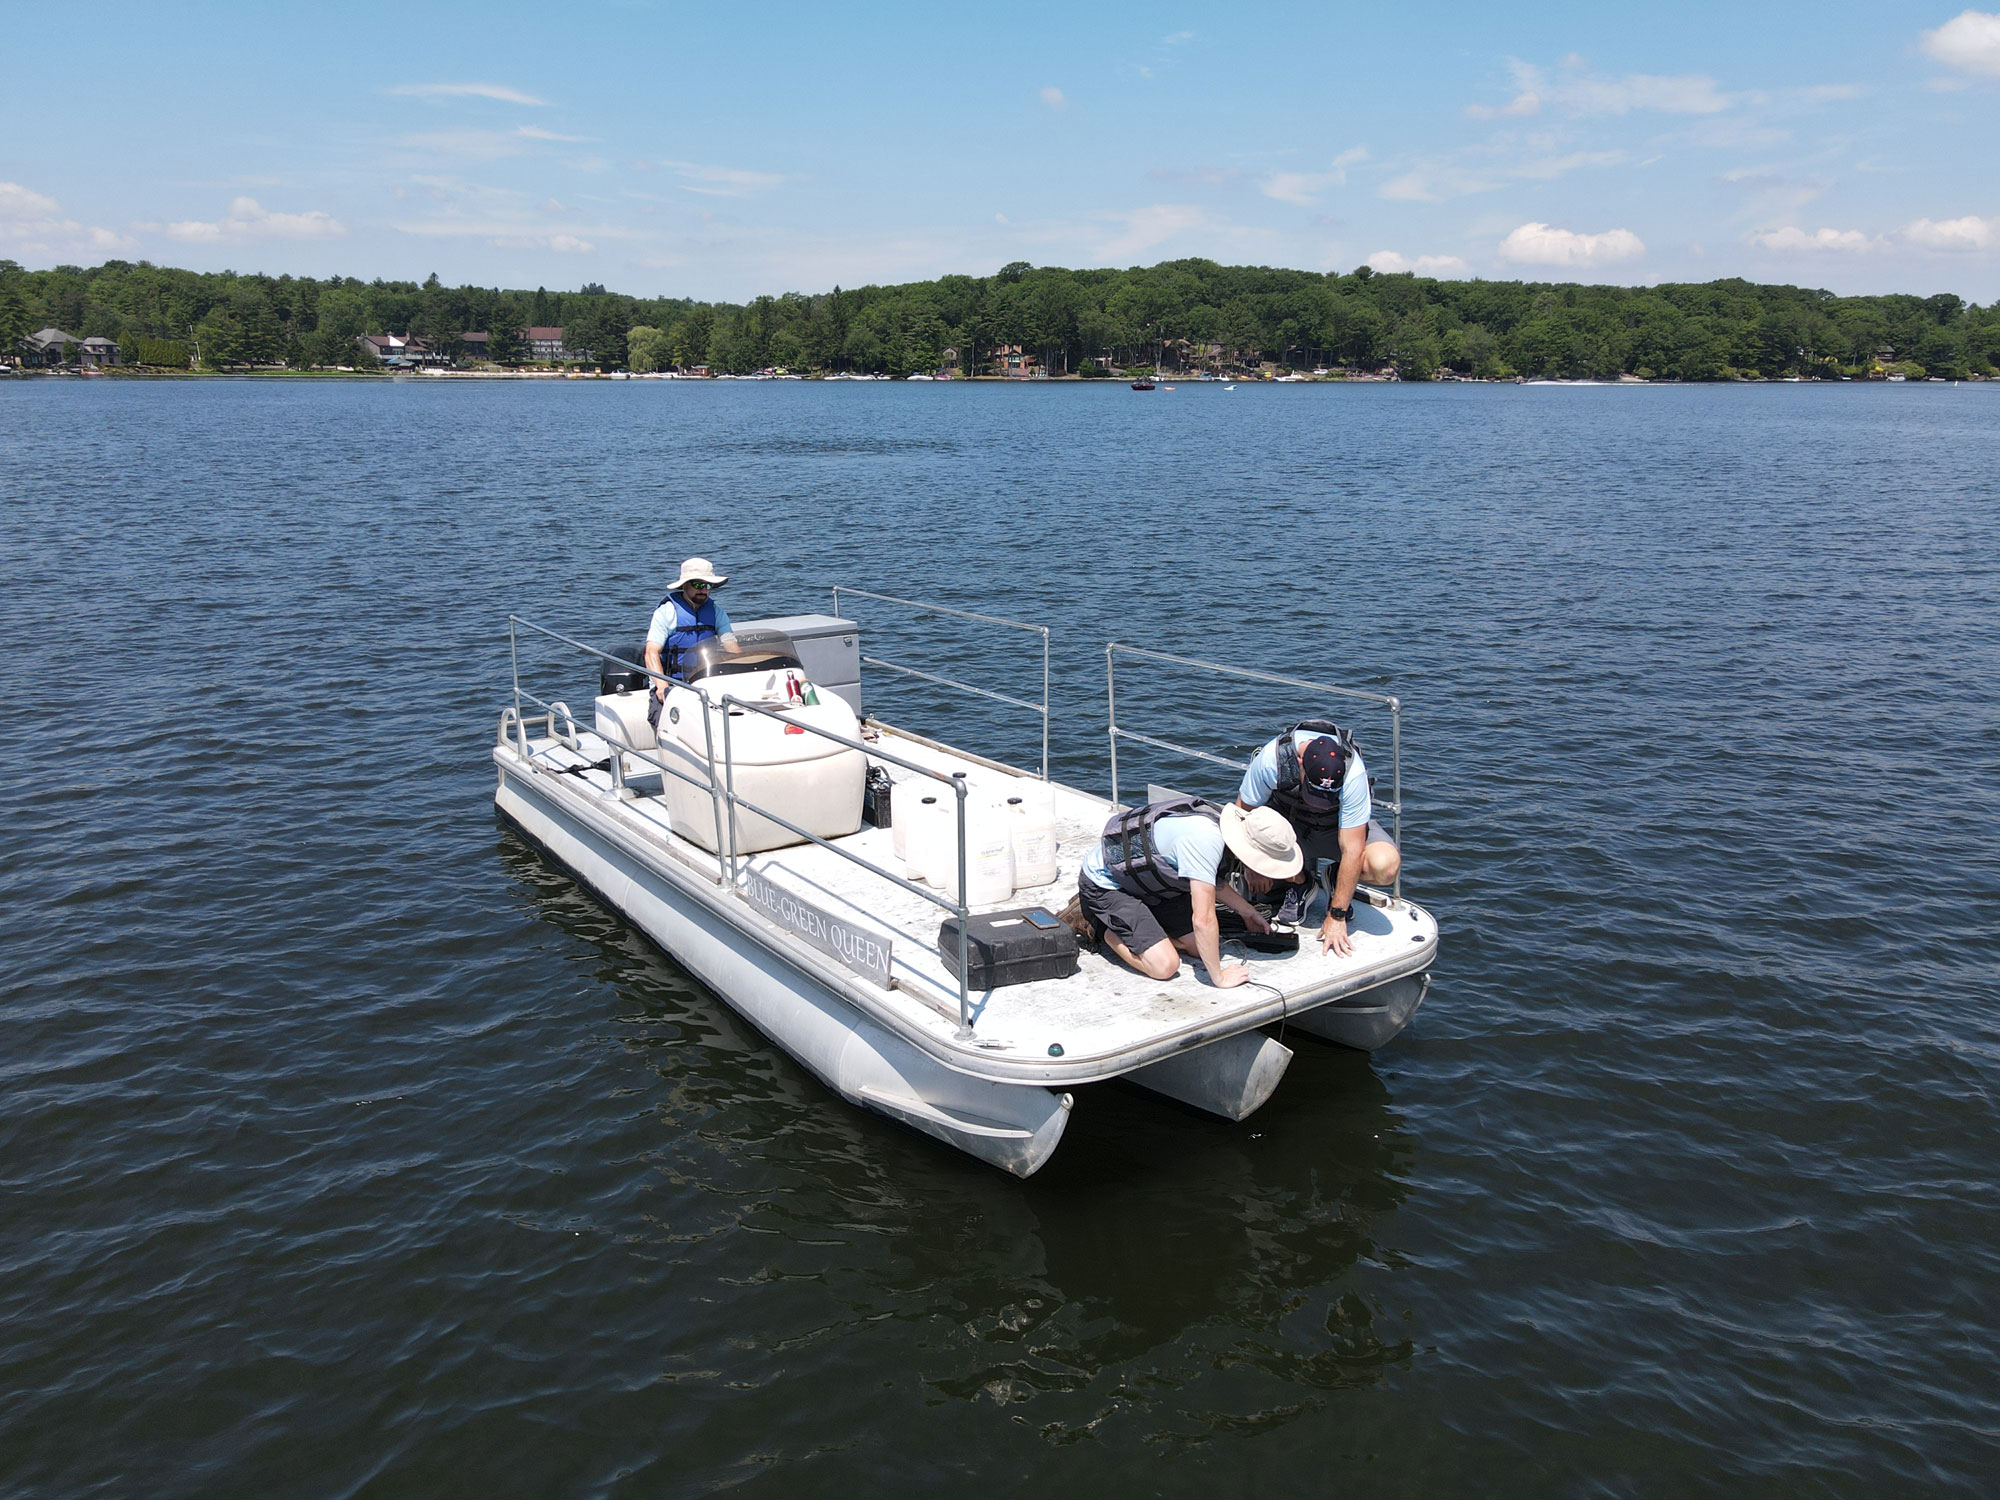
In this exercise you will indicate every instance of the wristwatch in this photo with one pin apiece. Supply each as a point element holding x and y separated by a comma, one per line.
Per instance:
<point>1341,913</point>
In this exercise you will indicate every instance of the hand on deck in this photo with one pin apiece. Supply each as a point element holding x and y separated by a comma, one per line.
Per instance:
<point>1333,938</point>
<point>1230,975</point>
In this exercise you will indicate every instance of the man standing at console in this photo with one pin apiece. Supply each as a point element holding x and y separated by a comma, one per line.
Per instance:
<point>1151,882</point>
<point>688,616</point>
<point>1314,776</point>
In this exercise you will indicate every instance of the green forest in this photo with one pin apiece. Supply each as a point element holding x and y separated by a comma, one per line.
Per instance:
<point>1182,314</point>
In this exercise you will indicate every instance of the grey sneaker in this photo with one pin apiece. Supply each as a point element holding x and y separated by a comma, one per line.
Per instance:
<point>1293,911</point>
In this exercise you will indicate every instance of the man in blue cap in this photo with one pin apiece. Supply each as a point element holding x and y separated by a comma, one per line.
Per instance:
<point>1313,775</point>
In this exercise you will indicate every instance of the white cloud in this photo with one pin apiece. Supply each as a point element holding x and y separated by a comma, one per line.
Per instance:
<point>1969,42</point>
<point>1434,182</point>
<point>1791,237</point>
<point>1150,226</point>
<point>1411,187</point>
<point>1389,262</point>
<point>1053,97</point>
<point>721,182</point>
<point>567,244</point>
<point>1540,245</point>
<point>467,91</point>
<point>488,144</point>
<point>34,224</point>
<point>1303,188</point>
<point>1583,94</point>
<point>1144,229</point>
<point>1968,233</point>
<point>1176,39</point>
<point>249,219</point>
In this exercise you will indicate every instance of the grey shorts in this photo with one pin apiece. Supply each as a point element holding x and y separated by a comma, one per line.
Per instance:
<point>1137,924</point>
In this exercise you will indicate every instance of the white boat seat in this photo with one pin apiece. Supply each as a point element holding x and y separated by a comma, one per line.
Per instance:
<point>621,719</point>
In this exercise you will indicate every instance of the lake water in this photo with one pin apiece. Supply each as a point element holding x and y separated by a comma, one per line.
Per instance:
<point>349,1149</point>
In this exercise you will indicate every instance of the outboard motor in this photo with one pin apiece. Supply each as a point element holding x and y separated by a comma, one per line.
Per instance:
<point>612,678</point>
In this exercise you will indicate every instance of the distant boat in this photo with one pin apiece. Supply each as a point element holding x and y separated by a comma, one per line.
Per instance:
<point>1229,387</point>
<point>1142,385</point>
<point>923,377</point>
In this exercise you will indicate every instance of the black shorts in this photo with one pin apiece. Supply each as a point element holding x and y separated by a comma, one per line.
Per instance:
<point>1324,844</point>
<point>1137,924</point>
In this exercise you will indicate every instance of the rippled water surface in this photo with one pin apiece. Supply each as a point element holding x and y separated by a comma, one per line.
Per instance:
<point>349,1149</point>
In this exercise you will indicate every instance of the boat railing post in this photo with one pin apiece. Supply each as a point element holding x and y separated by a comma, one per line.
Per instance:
<point>1111,714</point>
<point>514,659</point>
<point>964,918</point>
<point>1396,764</point>
<point>729,772</point>
<point>1045,703</point>
<point>725,872</point>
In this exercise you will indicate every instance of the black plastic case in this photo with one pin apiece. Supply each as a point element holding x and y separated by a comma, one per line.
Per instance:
<point>1010,947</point>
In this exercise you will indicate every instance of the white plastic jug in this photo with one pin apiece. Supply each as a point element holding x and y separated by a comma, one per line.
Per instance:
<point>924,840</point>
<point>989,854</point>
<point>1032,818</point>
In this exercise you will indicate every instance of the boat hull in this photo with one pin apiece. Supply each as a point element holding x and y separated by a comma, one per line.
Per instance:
<point>1012,1126</point>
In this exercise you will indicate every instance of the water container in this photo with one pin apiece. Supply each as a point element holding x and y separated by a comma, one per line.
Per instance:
<point>1032,817</point>
<point>901,815</point>
<point>989,853</point>
<point>923,840</point>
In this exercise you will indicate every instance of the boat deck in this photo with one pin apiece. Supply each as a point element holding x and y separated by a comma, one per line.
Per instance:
<point>1105,1019</point>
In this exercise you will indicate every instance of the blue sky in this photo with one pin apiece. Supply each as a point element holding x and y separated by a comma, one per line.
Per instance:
<point>722,151</point>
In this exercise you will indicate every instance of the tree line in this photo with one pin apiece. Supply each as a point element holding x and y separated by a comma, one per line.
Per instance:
<point>1183,314</point>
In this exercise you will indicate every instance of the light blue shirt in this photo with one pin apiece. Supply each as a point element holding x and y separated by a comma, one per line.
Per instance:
<point>663,621</point>
<point>1193,845</point>
<point>1261,779</point>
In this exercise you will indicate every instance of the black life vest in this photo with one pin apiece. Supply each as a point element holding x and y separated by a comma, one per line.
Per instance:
<point>690,628</point>
<point>1133,859</point>
<point>1289,795</point>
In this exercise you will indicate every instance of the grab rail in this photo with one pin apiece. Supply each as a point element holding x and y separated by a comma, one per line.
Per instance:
<point>618,752</point>
<point>1394,705</point>
<point>1041,708</point>
<point>722,790</point>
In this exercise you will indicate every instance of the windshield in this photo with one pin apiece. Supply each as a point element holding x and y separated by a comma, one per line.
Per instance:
<point>756,651</point>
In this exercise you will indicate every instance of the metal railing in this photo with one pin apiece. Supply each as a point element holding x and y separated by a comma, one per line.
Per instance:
<point>956,781</point>
<point>1041,708</point>
<point>618,752</point>
<point>722,789</point>
<point>1394,705</point>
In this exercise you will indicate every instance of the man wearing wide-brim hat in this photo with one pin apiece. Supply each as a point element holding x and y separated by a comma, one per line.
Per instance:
<point>684,619</point>
<point>1152,881</point>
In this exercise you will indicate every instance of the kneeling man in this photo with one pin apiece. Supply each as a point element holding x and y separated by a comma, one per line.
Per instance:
<point>1152,881</point>
<point>1314,776</point>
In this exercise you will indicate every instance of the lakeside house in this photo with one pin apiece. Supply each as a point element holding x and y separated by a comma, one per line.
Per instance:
<point>48,348</point>
<point>545,345</point>
<point>98,352</point>
<point>403,351</point>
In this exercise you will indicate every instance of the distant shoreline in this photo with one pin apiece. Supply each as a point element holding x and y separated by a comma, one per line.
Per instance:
<point>1166,381</point>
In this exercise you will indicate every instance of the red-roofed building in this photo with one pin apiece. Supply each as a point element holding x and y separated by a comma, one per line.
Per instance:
<point>545,344</point>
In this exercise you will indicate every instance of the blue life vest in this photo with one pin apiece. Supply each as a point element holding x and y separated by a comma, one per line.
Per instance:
<point>690,628</point>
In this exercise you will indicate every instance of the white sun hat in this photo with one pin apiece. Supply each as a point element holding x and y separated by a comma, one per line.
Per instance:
<point>699,569</point>
<point>1262,840</point>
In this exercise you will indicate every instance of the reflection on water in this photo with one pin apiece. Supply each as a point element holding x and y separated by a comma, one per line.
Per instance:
<point>1159,1246</point>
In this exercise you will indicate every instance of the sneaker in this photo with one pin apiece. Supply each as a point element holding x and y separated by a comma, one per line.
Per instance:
<point>1293,911</point>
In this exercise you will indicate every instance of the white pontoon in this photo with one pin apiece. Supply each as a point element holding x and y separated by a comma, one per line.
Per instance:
<point>734,839</point>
